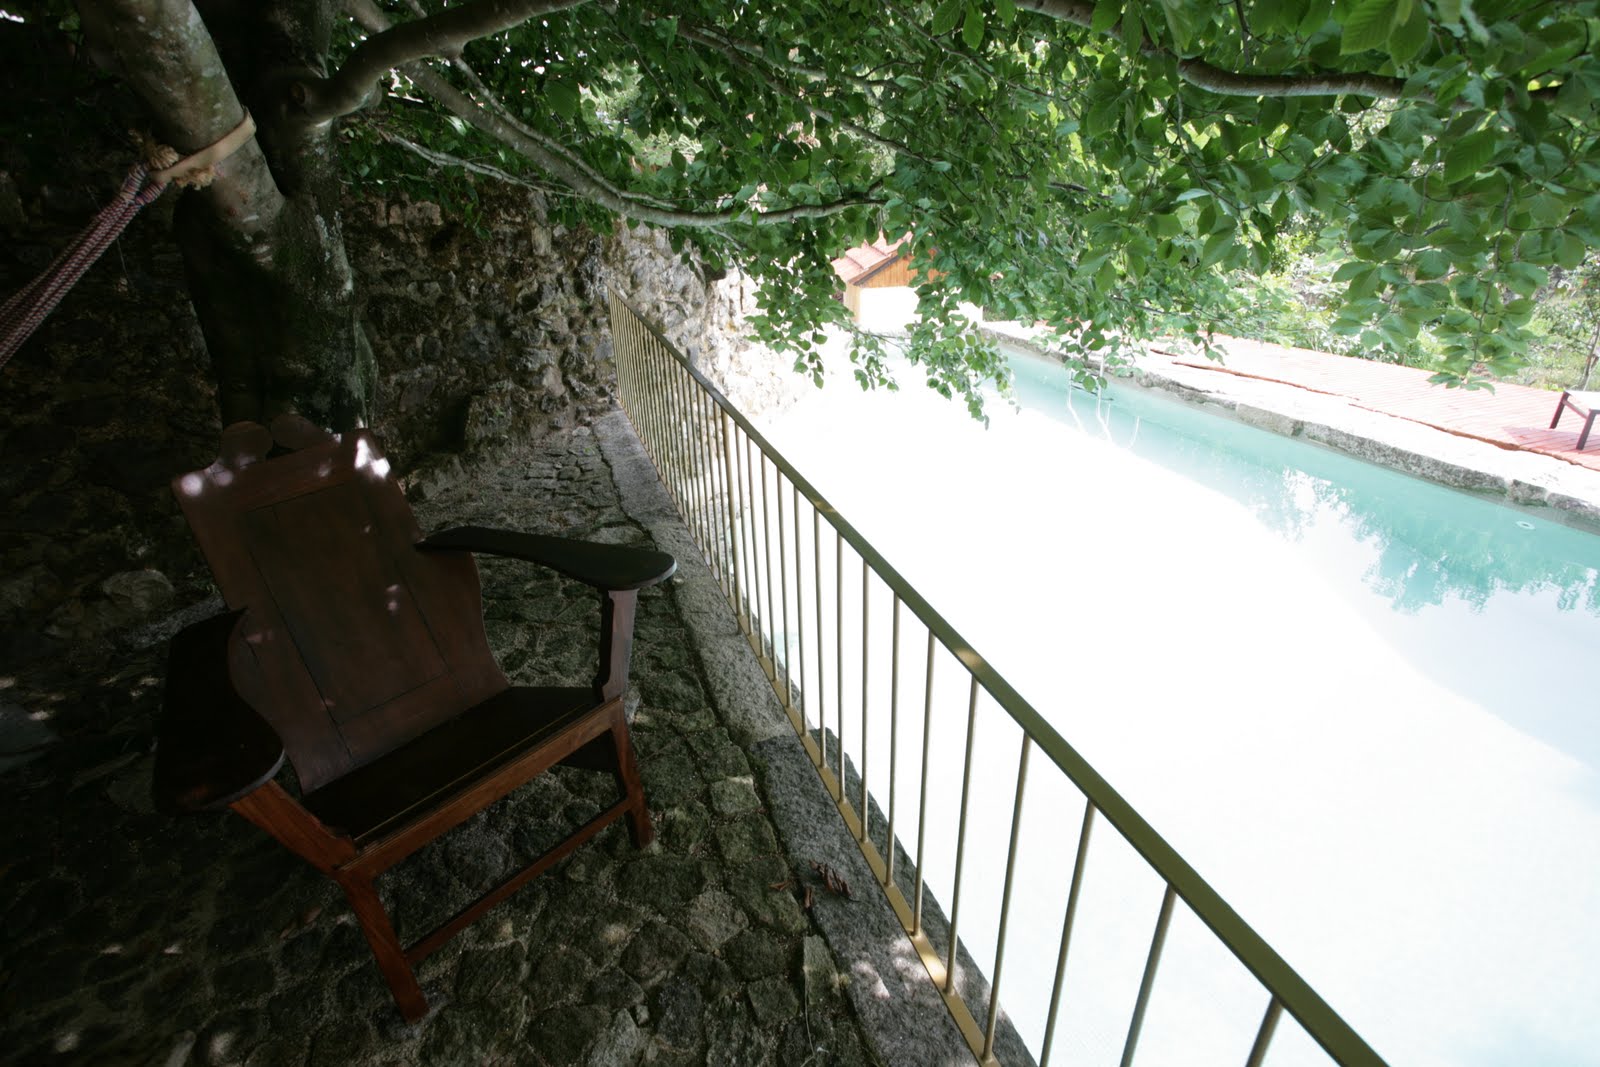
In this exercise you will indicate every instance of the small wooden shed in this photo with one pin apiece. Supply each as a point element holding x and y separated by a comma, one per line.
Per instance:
<point>880,264</point>
<point>878,279</point>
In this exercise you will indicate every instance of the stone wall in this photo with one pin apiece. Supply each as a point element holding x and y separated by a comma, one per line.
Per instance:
<point>497,334</point>
<point>702,315</point>
<point>486,334</point>
<point>484,338</point>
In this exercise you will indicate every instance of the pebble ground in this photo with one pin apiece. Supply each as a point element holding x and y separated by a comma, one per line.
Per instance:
<point>131,937</point>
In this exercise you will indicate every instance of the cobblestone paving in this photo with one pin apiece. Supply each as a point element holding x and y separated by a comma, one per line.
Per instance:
<point>130,937</point>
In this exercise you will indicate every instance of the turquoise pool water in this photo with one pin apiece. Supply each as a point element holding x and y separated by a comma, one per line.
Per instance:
<point>1361,704</point>
<point>1497,603</point>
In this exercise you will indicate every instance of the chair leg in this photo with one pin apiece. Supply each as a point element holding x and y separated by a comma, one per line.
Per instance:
<point>640,828</point>
<point>1560,407</point>
<point>386,948</point>
<point>1588,424</point>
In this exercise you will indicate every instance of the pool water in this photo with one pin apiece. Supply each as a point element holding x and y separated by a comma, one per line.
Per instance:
<point>1363,706</point>
<point>1447,577</point>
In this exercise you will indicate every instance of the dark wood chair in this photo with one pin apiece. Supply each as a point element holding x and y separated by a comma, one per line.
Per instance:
<point>1585,405</point>
<point>356,649</point>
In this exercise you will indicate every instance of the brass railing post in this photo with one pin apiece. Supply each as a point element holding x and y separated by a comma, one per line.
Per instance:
<point>663,396</point>
<point>727,480</point>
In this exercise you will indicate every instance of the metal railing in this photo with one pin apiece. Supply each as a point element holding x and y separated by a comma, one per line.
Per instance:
<point>747,508</point>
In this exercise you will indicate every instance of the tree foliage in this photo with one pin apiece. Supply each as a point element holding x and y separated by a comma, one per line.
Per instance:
<point>1107,167</point>
<point>1566,330</point>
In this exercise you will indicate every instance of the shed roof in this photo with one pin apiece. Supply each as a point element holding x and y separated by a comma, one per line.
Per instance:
<point>865,260</point>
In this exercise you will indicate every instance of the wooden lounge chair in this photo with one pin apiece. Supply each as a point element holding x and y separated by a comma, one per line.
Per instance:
<point>1586,406</point>
<point>356,649</point>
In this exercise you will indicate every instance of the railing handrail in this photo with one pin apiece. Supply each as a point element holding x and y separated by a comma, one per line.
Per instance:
<point>1319,1019</point>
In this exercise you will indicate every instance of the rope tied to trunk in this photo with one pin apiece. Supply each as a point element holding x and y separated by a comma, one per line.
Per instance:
<point>146,181</point>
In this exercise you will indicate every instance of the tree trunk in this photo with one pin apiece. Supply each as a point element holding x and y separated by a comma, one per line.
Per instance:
<point>280,317</point>
<point>263,246</point>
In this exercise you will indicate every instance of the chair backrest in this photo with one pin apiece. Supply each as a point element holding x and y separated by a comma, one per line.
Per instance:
<point>353,642</point>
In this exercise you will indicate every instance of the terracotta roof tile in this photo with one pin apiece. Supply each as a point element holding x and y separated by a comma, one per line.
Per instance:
<point>867,258</point>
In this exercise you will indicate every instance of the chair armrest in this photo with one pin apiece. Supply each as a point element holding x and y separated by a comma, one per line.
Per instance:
<point>212,748</point>
<point>611,567</point>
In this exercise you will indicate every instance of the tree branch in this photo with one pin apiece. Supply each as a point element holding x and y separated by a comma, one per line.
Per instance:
<point>444,35</point>
<point>572,171</point>
<point>445,159</point>
<point>1199,73</point>
<point>754,52</point>
<point>736,54</point>
<point>482,90</point>
<point>1203,75</point>
<point>369,16</point>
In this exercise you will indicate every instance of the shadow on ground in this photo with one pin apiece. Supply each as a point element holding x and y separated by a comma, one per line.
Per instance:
<point>130,937</point>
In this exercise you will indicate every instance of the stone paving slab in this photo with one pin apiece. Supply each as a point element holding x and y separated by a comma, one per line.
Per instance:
<point>127,937</point>
<point>905,1019</point>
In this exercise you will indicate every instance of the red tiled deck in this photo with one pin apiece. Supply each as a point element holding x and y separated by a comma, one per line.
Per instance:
<point>1511,416</point>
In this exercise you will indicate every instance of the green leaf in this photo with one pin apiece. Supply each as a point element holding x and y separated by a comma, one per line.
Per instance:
<point>1132,30</point>
<point>562,96</point>
<point>1105,279</point>
<point>1364,283</point>
<point>1216,246</point>
<point>1526,279</point>
<point>1409,37</point>
<point>1179,22</point>
<point>1432,264</point>
<point>1317,14</point>
<point>1469,155</point>
<point>1552,46</point>
<point>1405,126</point>
<point>1367,26</point>
<point>1569,252</point>
<point>972,29</point>
<point>1007,10</point>
<point>944,19</point>
<point>1106,13</point>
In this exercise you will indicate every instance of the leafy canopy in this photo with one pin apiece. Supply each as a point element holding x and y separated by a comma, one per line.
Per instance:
<point>1110,167</point>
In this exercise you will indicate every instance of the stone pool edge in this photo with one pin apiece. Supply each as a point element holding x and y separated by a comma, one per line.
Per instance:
<point>1553,488</point>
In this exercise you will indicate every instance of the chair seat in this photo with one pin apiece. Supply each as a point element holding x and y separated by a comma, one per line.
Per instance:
<point>1588,401</point>
<point>421,775</point>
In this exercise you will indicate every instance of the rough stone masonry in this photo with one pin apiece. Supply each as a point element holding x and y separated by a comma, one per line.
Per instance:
<point>132,937</point>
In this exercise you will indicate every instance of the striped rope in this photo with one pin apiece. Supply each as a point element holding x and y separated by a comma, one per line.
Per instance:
<point>28,307</point>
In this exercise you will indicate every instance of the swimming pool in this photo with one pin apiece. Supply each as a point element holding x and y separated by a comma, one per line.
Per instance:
<point>1359,703</point>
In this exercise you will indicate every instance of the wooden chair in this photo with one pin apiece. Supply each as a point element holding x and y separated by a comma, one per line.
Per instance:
<point>1585,405</point>
<point>356,649</point>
